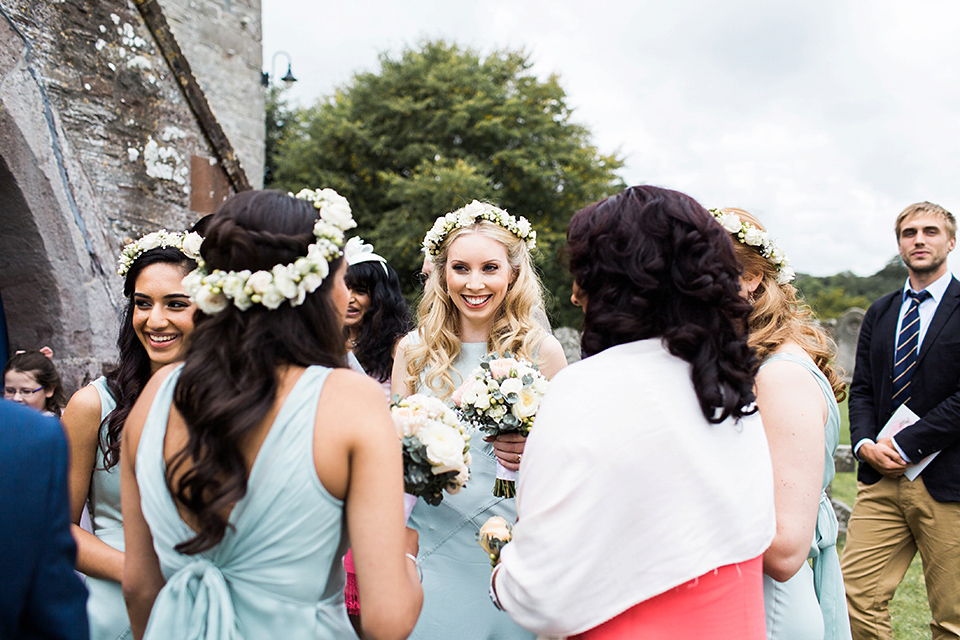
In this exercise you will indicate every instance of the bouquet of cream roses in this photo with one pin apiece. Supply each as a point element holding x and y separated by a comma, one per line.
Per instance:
<point>500,396</point>
<point>436,447</point>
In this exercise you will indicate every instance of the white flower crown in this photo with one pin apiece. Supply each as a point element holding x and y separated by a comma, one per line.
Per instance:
<point>474,212</point>
<point>750,235</point>
<point>187,242</point>
<point>212,292</point>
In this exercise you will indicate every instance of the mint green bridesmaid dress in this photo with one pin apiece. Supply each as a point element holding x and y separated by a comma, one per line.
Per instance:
<point>278,572</point>
<point>105,607</point>
<point>456,571</point>
<point>812,604</point>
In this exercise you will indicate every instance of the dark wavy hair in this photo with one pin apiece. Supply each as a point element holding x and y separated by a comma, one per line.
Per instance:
<point>44,372</point>
<point>386,320</point>
<point>653,263</point>
<point>132,372</point>
<point>229,380</point>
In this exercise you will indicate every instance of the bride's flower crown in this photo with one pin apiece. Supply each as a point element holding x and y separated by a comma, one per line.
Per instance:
<point>213,291</point>
<point>472,213</point>
<point>187,243</point>
<point>750,235</point>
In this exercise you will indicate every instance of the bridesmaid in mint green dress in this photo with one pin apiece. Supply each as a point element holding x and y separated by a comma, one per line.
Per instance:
<point>250,468</point>
<point>797,393</point>
<point>481,296</point>
<point>157,321</point>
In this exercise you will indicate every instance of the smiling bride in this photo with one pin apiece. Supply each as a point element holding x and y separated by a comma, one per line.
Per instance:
<point>481,297</point>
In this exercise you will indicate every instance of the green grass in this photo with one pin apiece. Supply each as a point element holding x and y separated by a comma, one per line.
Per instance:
<point>909,609</point>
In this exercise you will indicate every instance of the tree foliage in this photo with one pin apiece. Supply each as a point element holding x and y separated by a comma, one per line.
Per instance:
<point>437,127</point>
<point>830,296</point>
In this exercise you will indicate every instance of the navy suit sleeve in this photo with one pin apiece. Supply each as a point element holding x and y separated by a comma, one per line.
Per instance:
<point>862,408</point>
<point>56,602</point>
<point>938,429</point>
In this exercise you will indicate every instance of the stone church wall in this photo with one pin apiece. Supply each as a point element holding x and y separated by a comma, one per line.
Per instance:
<point>98,145</point>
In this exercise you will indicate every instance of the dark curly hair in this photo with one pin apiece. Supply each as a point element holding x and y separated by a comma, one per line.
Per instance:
<point>130,376</point>
<point>229,380</point>
<point>653,263</point>
<point>386,320</point>
<point>44,372</point>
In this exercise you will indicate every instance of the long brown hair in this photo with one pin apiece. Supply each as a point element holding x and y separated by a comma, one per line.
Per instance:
<point>229,381</point>
<point>780,315</point>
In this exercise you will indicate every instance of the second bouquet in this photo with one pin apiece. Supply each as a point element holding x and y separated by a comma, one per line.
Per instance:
<point>501,396</point>
<point>436,447</point>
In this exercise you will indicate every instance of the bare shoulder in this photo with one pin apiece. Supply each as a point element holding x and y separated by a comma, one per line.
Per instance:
<point>350,397</point>
<point>551,356</point>
<point>82,413</point>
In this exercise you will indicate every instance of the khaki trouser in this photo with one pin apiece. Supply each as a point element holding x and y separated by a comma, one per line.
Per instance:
<point>893,519</point>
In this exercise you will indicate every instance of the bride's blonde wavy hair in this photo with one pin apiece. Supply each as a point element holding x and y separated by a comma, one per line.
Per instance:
<point>514,327</point>
<point>779,315</point>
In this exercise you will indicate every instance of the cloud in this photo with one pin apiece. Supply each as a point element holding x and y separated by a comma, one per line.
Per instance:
<point>823,118</point>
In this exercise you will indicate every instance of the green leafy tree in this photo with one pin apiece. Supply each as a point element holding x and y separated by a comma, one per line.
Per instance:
<point>437,127</point>
<point>278,114</point>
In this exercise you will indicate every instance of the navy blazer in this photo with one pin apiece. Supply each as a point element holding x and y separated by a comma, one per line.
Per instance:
<point>40,595</point>
<point>934,391</point>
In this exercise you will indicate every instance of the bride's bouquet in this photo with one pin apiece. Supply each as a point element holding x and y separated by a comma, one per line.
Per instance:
<point>501,396</point>
<point>436,447</point>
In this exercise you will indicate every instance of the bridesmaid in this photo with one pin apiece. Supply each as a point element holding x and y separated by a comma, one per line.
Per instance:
<point>797,393</point>
<point>156,325</point>
<point>247,468</point>
<point>480,297</point>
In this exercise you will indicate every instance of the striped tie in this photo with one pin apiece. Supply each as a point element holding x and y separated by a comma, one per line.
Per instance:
<point>907,348</point>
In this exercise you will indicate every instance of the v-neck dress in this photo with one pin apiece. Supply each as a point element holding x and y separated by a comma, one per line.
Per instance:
<point>278,569</point>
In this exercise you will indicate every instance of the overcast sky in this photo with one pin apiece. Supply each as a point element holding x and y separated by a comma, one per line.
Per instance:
<point>823,118</point>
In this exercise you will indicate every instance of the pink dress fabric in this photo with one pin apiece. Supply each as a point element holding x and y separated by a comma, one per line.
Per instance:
<point>724,604</point>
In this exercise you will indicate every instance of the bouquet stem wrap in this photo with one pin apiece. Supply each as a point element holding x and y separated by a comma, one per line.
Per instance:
<point>506,483</point>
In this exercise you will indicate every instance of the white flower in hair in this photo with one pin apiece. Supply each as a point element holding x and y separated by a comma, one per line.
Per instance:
<point>751,235</point>
<point>186,243</point>
<point>291,282</point>
<point>470,214</point>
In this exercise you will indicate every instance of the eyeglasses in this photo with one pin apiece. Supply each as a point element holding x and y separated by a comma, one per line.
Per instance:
<point>10,392</point>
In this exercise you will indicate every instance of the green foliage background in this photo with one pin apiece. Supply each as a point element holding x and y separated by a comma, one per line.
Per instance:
<point>435,128</point>
<point>830,296</point>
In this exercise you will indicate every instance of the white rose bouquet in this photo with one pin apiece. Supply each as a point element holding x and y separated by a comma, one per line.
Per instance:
<point>436,447</point>
<point>501,396</point>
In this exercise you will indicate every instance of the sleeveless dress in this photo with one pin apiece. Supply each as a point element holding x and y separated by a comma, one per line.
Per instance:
<point>812,604</point>
<point>456,572</point>
<point>278,571</point>
<point>105,606</point>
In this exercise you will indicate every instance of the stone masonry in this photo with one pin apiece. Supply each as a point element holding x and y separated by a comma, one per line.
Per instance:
<point>99,144</point>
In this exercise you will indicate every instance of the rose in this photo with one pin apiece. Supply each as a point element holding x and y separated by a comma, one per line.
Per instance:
<point>405,420</point>
<point>500,368</point>
<point>210,302</point>
<point>191,245</point>
<point>494,529</point>
<point>527,405</point>
<point>284,282</point>
<point>260,282</point>
<point>753,236</point>
<point>150,241</point>
<point>539,385</point>
<point>272,298</point>
<point>511,385</point>
<point>444,447</point>
<point>730,222</point>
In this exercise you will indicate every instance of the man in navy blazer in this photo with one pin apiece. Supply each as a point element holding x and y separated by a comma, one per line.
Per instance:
<point>894,517</point>
<point>40,595</point>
